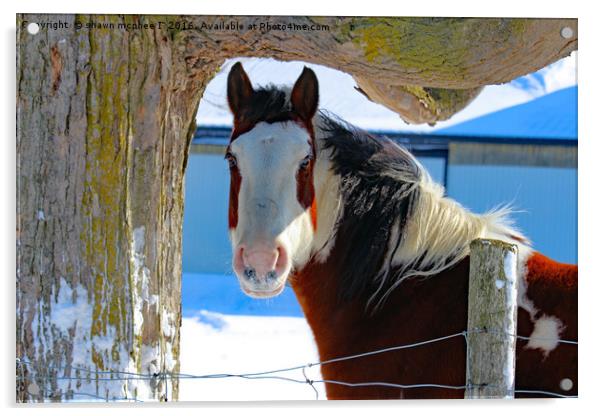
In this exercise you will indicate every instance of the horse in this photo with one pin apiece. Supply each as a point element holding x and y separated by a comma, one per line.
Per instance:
<point>375,252</point>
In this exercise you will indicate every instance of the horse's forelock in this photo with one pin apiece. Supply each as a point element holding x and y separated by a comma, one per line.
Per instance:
<point>270,104</point>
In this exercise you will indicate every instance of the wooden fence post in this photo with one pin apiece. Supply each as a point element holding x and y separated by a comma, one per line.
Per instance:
<point>492,314</point>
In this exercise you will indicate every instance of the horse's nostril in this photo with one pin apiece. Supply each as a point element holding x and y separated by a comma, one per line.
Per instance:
<point>250,273</point>
<point>281,260</point>
<point>271,275</point>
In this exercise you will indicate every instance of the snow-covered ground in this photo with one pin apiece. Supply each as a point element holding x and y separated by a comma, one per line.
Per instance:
<point>242,335</point>
<point>213,343</point>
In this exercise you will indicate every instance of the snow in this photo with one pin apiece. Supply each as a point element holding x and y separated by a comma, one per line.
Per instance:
<point>141,279</point>
<point>510,265</point>
<point>71,309</point>
<point>71,318</point>
<point>511,275</point>
<point>214,343</point>
<point>150,354</point>
<point>226,332</point>
<point>168,320</point>
<point>229,340</point>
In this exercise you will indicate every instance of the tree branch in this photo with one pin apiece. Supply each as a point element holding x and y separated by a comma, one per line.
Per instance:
<point>425,69</point>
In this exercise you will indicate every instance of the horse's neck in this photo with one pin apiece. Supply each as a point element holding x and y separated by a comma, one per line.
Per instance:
<point>436,236</point>
<point>316,282</point>
<point>318,286</point>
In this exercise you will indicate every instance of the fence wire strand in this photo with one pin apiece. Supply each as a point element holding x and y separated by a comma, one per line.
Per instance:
<point>132,376</point>
<point>494,331</point>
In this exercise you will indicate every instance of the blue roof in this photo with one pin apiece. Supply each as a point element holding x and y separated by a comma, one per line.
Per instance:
<point>553,116</point>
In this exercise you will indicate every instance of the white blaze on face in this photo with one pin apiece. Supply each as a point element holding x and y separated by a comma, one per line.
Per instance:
<point>269,212</point>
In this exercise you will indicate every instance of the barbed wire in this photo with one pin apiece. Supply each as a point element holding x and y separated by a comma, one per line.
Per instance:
<point>116,375</point>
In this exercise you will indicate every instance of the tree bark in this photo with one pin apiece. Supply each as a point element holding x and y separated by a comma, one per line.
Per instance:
<point>104,121</point>
<point>105,115</point>
<point>415,104</point>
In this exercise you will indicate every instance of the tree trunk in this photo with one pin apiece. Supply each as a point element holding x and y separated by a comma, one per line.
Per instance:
<point>105,115</point>
<point>104,121</point>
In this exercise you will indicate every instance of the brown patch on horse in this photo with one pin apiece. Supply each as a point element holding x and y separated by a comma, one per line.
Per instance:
<point>305,189</point>
<point>552,286</point>
<point>235,181</point>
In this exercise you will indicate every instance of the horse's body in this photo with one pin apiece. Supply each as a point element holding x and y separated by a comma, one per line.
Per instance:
<point>375,253</point>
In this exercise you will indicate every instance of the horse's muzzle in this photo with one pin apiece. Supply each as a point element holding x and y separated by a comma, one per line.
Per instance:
<point>261,268</point>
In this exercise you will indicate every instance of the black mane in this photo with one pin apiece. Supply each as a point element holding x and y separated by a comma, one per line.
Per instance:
<point>378,186</point>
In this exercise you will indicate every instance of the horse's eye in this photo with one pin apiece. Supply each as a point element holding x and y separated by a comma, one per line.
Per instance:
<point>305,162</point>
<point>231,160</point>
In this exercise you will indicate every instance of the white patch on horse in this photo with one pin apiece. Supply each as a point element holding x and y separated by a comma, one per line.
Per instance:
<point>329,203</point>
<point>523,301</point>
<point>546,334</point>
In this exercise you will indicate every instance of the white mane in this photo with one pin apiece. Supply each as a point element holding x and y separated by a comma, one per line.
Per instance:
<point>439,233</point>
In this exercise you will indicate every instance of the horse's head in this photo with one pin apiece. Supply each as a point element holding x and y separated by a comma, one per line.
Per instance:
<point>271,155</point>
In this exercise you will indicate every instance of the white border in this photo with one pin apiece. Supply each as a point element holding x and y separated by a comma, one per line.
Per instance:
<point>589,173</point>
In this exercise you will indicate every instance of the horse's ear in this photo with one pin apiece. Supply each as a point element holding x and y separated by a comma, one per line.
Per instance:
<point>304,97</point>
<point>240,89</point>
